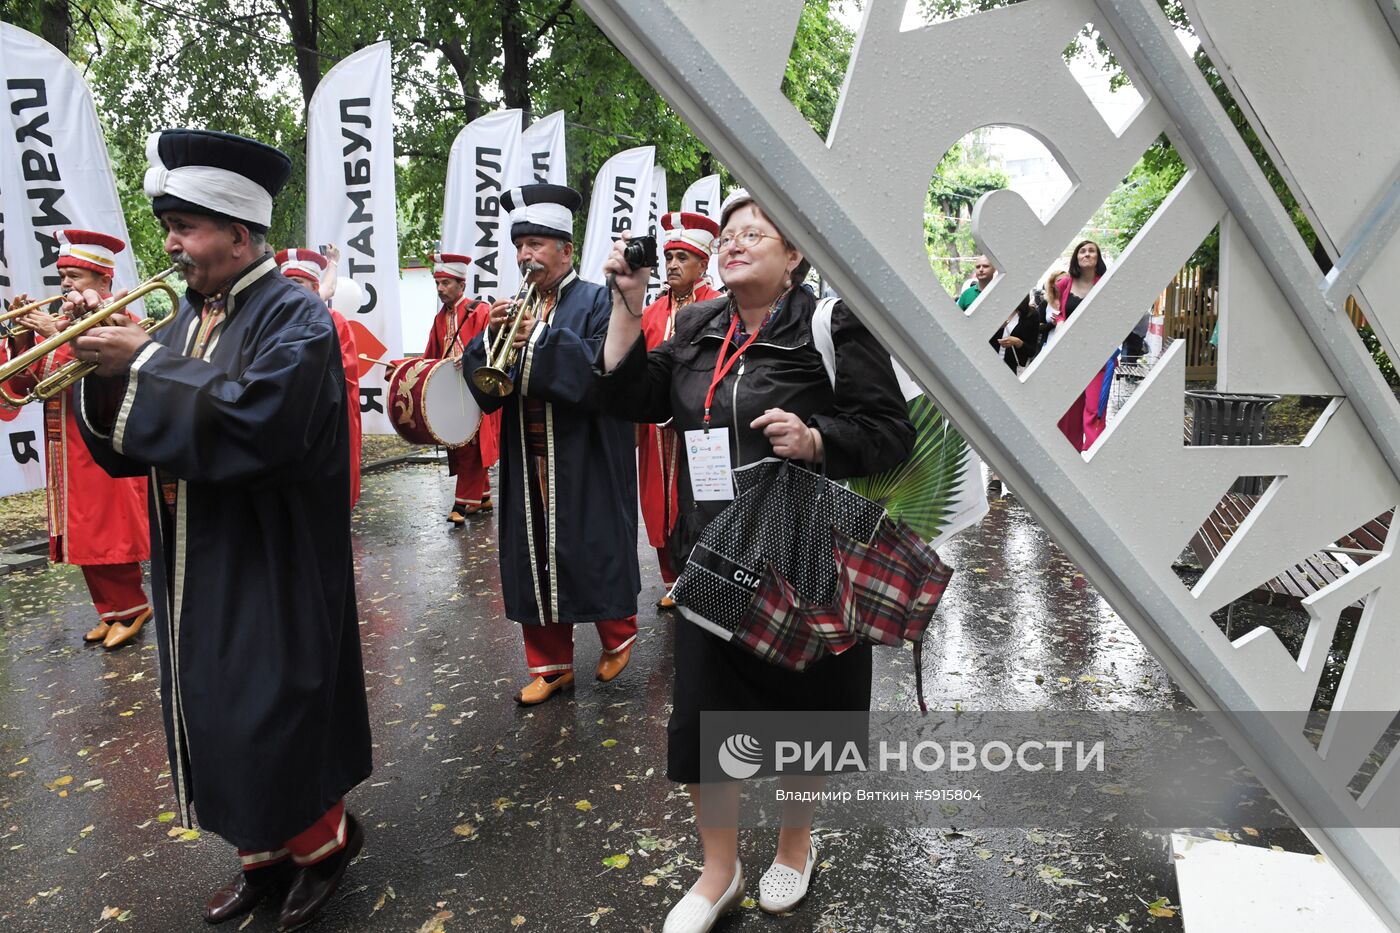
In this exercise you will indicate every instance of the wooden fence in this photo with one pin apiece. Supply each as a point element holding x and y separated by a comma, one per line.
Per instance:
<point>1188,306</point>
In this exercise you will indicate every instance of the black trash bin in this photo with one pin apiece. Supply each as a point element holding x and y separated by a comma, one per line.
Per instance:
<point>1231,419</point>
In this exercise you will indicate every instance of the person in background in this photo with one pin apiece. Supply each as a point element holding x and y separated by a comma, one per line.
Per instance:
<point>1084,421</point>
<point>983,272</point>
<point>686,250</point>
<point>95,521</point>
<point>1018,340</point>
<point>459,319</point>
<point>317,273</point>
<point>568,520</point>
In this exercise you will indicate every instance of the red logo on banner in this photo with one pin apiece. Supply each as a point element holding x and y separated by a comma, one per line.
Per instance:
<point>366,344</point>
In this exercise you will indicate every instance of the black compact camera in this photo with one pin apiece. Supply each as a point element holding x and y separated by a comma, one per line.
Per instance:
<point>640,252</point>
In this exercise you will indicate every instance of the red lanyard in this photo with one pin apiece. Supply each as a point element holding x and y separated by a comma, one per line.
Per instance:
<point>723,365</point>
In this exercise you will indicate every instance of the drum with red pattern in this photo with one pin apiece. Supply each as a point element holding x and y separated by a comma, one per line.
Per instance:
<point>429,403</point>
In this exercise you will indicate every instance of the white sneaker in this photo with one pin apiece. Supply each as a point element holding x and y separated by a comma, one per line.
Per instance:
<point>782,888</point>
<point>695,914</point>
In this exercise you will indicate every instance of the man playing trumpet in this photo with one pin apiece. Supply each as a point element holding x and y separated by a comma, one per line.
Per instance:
<point>568,478</point>
<point>237,412</point>
<point>95,521</point>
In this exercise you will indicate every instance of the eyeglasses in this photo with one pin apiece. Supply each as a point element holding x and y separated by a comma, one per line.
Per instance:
<point>748,239</point>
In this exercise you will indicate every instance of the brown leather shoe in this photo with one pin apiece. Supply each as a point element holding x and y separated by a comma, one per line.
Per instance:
<point>315,884</point>
<point>484,506</point>
<point>456,517</point>
<point>666,602</point>
<point>610,665</point>
<point>244,892</point>
<point>97,634</point>
<point>539,689</point>
<point>122,632</point>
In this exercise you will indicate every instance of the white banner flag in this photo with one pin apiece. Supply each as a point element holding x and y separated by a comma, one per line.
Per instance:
<point>483,160</point>
<point>703,197</point>
<point>654,211</point>
<point>351,202</point>
<point>621,201</point>
<point>54,174</point>
<point>542,156</point>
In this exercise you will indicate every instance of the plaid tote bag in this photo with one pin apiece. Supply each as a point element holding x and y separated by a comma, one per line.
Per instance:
<point>780,522</point>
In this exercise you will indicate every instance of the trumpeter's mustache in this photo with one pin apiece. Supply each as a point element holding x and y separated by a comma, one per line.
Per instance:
<point>184,260</point>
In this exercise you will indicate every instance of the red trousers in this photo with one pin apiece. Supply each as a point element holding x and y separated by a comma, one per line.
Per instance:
<point>116,591</point>
<point>324,837</point>
<point>473,483</point>
<point>1081,425</point>
<point>549,649</point>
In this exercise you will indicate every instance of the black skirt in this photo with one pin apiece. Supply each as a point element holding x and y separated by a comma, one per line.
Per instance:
<point>715,675</point>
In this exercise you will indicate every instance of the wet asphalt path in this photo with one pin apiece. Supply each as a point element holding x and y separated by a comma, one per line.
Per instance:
<point>484,816</point>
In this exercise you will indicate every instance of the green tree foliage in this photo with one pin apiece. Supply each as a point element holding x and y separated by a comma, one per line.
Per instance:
<point>251,66</point>
<point>816,69</point>
<point>964,174</point>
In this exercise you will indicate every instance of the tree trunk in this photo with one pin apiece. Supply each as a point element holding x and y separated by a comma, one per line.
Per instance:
<point>55,23</point>
<point>516,49</point>
<point>458,58</point>
<point>303,20</point>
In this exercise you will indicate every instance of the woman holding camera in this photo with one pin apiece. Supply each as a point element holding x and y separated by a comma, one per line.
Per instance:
<point>744,367</point>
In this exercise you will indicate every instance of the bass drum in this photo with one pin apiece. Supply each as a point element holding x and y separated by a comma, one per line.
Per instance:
<point>429,403</point>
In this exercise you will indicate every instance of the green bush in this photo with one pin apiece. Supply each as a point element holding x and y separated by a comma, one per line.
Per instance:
<point>1383,363</point>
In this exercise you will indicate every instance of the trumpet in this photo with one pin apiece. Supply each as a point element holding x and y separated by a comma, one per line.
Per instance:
<point>495,377</point>
<point>69,373</point>
<point>12,330</point>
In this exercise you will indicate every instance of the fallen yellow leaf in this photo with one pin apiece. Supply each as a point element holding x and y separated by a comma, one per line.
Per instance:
<point>583,805</point>
<point>464,829</point>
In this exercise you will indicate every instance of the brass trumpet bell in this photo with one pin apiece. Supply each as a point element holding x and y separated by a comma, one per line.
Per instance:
<point>501,357</point>
<point>71,372</point>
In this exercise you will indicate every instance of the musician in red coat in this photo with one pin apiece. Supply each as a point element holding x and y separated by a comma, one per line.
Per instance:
<point>317,273</point>
<point>687,254</point>
<point>457,321</point>
<point>95,521</point>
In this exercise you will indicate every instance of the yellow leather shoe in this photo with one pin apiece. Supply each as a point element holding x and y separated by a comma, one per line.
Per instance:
<point>666,602</point>
<point>456,517</point>
<point>539,689</point>
<point>121,633</point>
<point>610,665</point>
<point>97,634</point>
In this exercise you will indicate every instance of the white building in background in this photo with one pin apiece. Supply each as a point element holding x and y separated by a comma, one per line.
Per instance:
<point>418,304</point>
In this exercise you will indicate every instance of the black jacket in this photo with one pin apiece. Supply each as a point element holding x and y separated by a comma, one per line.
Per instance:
<point>864,422</point>
<point>1028,329</point>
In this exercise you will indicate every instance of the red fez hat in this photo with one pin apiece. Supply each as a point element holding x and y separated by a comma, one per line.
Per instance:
<point>85,249</point>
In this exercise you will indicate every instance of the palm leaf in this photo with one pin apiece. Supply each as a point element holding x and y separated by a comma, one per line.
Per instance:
<point>921,491</point>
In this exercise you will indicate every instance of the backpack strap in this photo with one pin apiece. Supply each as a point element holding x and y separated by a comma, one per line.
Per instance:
<point>821,336</point>
<point>826,346</point>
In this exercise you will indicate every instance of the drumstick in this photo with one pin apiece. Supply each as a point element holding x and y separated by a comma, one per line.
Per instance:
<point>369,359</point>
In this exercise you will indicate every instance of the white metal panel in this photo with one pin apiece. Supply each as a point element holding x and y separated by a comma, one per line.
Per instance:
<point>1322,81</point>
<point>1263,348</point>
<point>852,203</point>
